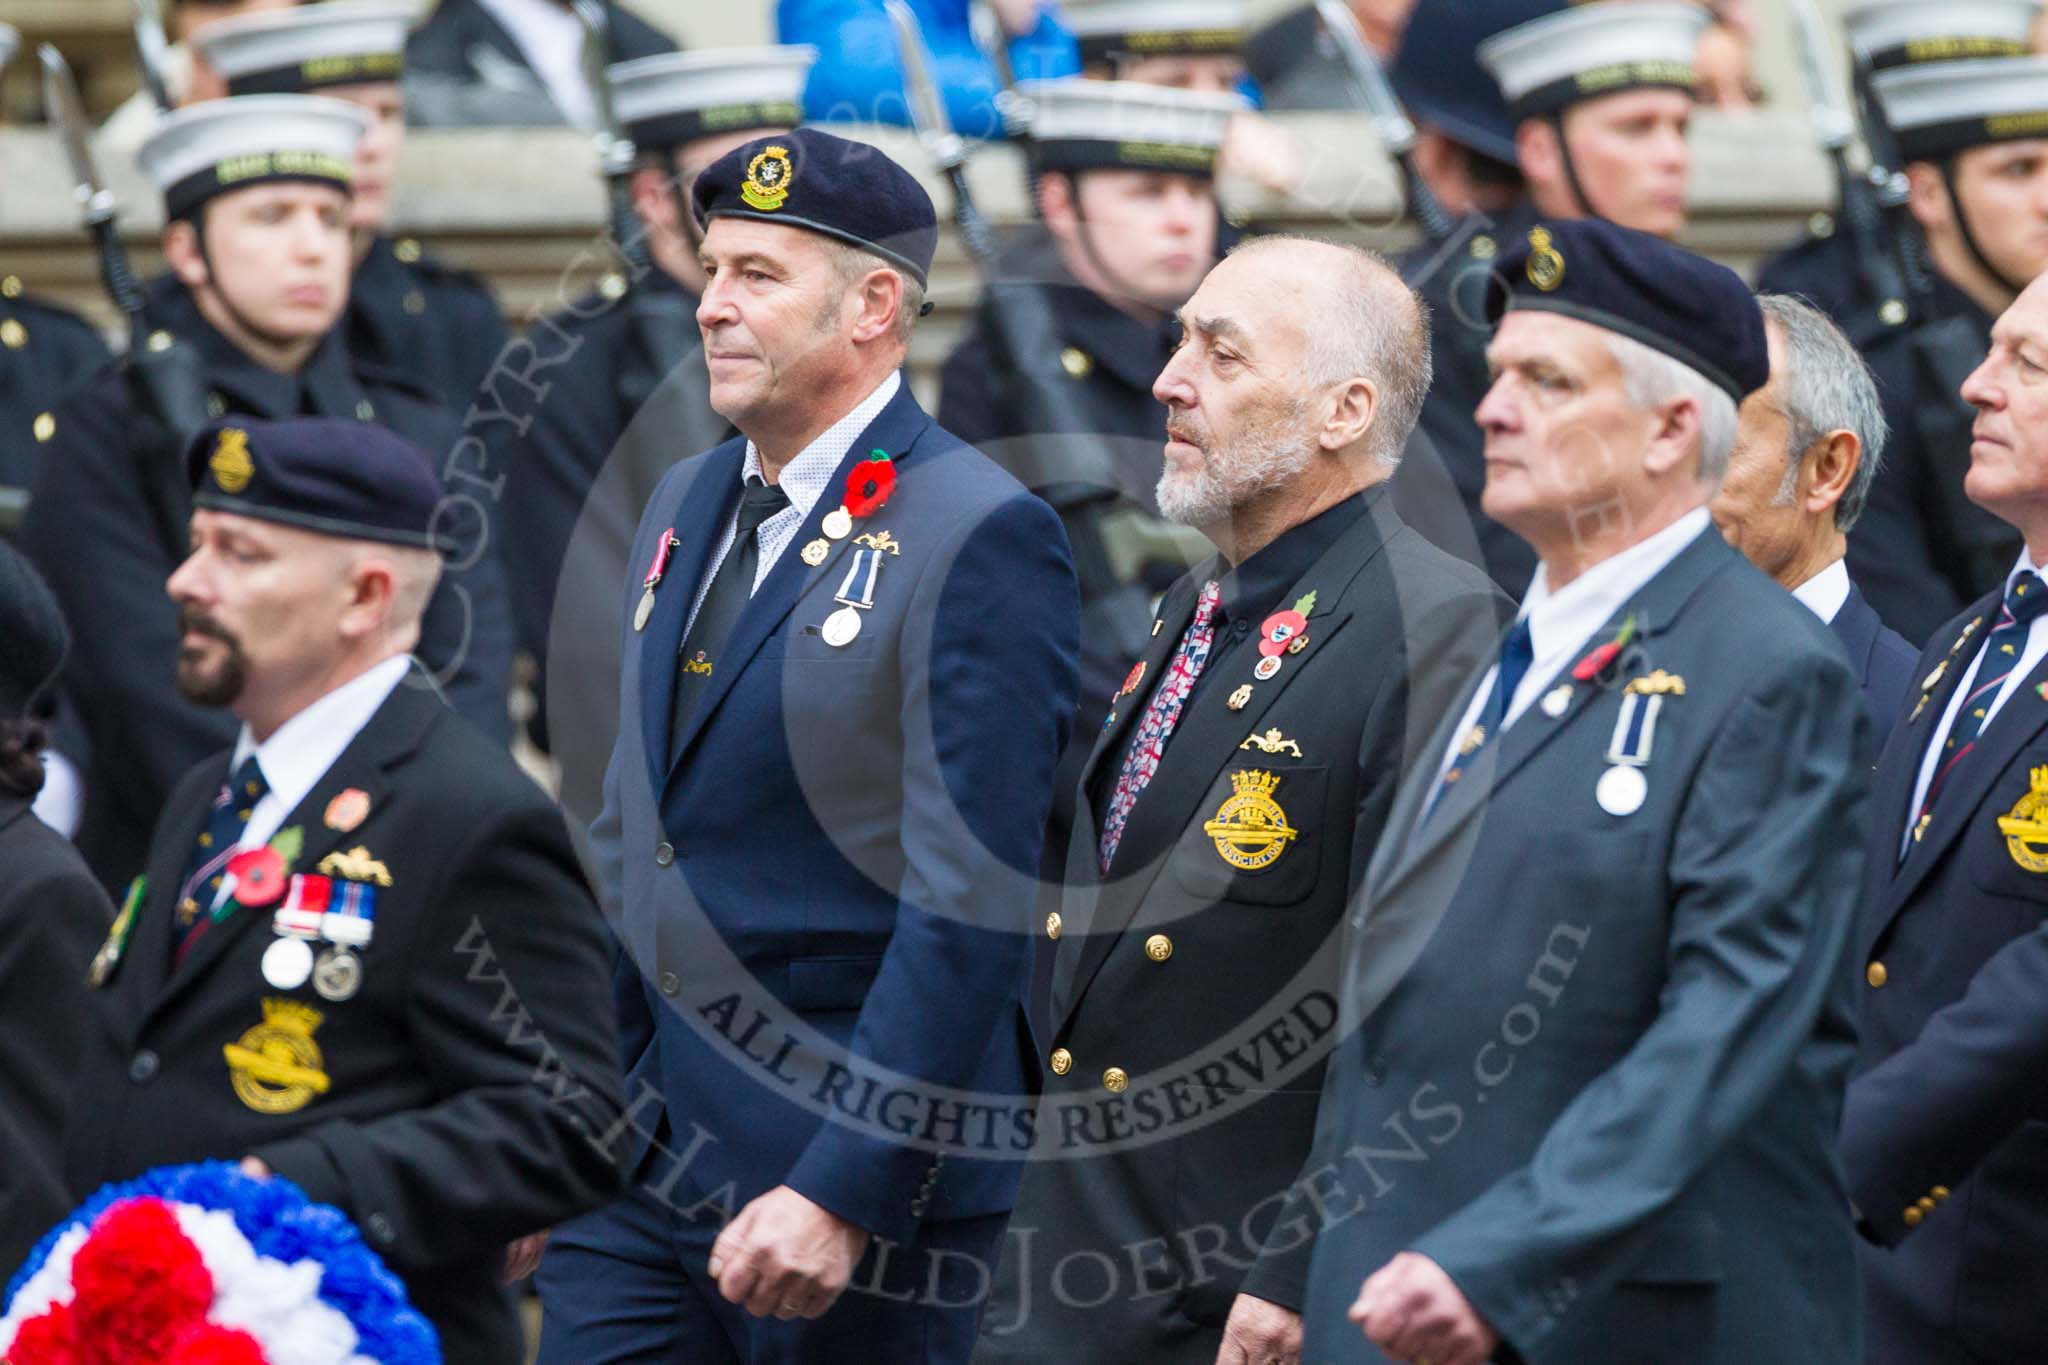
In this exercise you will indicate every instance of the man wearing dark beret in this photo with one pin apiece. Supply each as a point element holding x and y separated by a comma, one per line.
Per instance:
<point>849,667</point>
<point>52,912</point>
<point>256,203</point>
<point>361,954</point>
<point>1597,991</point>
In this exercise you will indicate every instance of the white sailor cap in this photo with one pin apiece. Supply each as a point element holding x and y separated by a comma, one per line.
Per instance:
<point>1109,30</point>
<point>1588,51</point>
<point>1888,33</point>
<point>670,99</point>
<point>311,47</point>
<point>1936,109</point>
<point>1077,124</point>
<point>216,146</point>
<point>10,43</point>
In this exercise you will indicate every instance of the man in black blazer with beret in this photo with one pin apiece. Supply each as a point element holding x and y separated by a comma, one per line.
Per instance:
<point>1595,1029</point>
<point>361,955</point>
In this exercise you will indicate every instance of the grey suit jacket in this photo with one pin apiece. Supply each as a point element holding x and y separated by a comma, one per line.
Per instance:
<point>1594,1061</point>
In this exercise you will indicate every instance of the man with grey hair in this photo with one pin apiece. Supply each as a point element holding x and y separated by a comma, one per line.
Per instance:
<point>1808,446</point>
<point>1595,1017</point>
<point>1237,785</point>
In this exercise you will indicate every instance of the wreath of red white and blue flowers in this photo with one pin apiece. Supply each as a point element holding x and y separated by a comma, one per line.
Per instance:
<point>202,1265</point>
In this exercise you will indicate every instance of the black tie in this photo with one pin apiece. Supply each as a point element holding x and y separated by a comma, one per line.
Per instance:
<point>731,586</point>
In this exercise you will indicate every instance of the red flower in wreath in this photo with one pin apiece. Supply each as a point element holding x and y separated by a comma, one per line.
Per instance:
<point>259,876</point>
<point>869,484</point>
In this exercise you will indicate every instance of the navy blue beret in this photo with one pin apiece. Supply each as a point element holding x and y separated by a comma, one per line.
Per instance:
<point>33,637</point>
<point>338,477</point>
<point>827,184</point>
<point>1697,312</point>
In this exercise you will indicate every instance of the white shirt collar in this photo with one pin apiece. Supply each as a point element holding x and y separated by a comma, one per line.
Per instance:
<point>302,749</point>
<point>1559,621</point>
<point>2025,564</point>
<point>1826,592</point>
<point>804,478</point>
<point>551,38</point>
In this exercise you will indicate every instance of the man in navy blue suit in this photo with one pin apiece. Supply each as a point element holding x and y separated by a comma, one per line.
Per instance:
<point>1945,1135</point>
<point>850,650</point>
<point>1809,444</point>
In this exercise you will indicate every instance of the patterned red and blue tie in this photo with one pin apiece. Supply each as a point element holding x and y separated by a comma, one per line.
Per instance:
<point>2025,601</point>
<point>1149,743</point>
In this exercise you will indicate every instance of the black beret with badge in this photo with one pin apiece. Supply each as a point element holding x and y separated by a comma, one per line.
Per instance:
<point>676,97</point>
<point>218,146</point>
<point>350,479</point>
<point>310,47</point>
<point>1587,51</point>
<point>1678,303</point>
<point>33,637</point>
<point>1082,125</point>
<point>825,184</point>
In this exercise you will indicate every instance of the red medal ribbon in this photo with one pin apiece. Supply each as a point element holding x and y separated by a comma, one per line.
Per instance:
<point>660,565</point>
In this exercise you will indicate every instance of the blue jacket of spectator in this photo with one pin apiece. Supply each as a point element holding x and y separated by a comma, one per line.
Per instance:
<point>859,80</point>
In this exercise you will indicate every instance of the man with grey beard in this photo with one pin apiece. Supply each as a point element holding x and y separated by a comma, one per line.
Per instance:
<point>1233,797</point>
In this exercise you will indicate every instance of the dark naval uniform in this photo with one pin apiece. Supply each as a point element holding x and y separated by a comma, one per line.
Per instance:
<point>579,464</point>
<point>1824,271</point>
<point>1447,440</point>
<point>462,66</point>
<point>111,527</point>
<point>1922,549</point>
<point>439,325</point>
<point>1194,984</point>
<point>1124,552</point>
<point>43,350</point>
<point>1882,659</point>
<point>52,914</point>
<point>451,1104</point>
<point>1945,1135</point>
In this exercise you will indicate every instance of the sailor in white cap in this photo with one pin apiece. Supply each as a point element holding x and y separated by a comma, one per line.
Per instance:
<point>1186,44</point>
<point>605,356</point>
<point>256,208</point>
<point>1603,96</point>
<point>1973,135</point>
<point>444,325</point>
<point>1882,36</point>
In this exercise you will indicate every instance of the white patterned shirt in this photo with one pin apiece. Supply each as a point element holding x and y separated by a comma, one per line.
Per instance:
<point>803,479</point>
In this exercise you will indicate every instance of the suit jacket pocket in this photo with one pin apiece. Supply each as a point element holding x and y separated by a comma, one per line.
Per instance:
<point>1999,1310</point>
<point>831,983</point>
<point>1257,837</point>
